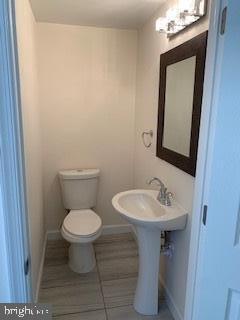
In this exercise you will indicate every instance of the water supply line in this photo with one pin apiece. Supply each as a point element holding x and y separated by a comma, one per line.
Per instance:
<point>167,246</point>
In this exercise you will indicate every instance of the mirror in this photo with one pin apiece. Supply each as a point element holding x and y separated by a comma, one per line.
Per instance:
<point>180,100</point>
<point>177,120</point>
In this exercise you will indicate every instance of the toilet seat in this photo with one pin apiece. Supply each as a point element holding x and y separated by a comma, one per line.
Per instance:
<point>81,226</point>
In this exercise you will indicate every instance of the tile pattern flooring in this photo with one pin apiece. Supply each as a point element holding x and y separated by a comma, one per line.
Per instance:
<point>106,293</point>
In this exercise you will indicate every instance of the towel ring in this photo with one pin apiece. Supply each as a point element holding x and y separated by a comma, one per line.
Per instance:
<point>149,133</point>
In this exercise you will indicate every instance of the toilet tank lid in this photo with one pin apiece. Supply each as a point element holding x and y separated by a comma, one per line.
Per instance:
<point>79,174</point>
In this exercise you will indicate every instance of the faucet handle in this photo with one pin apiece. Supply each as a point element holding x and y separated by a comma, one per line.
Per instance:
<point>168,198</point>
<point>148,181</point>
<point>163,192</point>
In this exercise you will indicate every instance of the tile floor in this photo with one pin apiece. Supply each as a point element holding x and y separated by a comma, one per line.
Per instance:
<point>106,293</point>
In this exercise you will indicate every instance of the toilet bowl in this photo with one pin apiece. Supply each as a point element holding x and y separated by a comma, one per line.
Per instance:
<point>81,228</point>
<point>82,225</point>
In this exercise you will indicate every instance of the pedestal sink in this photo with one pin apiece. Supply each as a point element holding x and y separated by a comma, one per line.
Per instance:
<point>142,209</point>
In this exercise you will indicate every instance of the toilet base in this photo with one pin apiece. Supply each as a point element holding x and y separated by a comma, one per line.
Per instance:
<point>81,257</point>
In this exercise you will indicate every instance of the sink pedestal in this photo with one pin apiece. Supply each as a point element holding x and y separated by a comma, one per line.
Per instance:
<point>146,296</point>
<point>142,209</point>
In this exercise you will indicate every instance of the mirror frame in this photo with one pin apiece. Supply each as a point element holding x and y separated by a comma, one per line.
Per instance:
<point>194,47</point>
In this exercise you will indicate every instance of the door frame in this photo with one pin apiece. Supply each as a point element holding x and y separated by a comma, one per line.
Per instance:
<point>12,175</point>
<point>206,143</point>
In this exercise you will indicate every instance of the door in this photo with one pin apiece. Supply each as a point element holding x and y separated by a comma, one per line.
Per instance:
<point>14,252</point>
<point>217,294</point>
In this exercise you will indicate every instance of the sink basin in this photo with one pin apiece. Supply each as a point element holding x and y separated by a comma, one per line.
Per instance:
<point>142,209</point>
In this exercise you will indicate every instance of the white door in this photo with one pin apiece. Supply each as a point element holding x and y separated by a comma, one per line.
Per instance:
<point>15,278</point>
<point>217,295</point>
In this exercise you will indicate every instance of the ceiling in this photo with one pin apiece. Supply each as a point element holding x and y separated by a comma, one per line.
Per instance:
<point>125,14</point>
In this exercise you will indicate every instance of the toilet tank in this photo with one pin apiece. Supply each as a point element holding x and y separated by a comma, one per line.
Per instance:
<point>79,188</point>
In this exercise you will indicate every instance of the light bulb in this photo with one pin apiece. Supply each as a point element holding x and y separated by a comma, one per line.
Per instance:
<point>186,5</point>
<point>201,8</point>
<point>161,24</point>
<point>171,14</point>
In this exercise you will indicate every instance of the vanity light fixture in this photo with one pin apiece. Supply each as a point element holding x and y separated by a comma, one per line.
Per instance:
<point>182,15</point>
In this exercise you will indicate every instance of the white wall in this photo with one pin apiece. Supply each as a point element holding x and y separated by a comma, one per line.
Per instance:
<point>151,45</point>
<point>26,28</point>
<point>87,97</point>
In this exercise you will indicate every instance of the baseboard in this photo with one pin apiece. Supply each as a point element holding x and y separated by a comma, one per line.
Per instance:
<point>54,235</point>
<point>116,229</point>
<point>170,302</point>
<point>41,268</point>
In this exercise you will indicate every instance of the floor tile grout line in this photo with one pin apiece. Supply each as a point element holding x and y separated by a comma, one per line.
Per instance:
<point>105,280</point>
<point>105,306</point>
<point>120,306</point>
<point>105,310</point>
<point>81,312</point>
<point>101,288</point>
<point>67,285</point>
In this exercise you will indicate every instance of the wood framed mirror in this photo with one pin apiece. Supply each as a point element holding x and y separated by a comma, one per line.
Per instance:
<point>180,101</point>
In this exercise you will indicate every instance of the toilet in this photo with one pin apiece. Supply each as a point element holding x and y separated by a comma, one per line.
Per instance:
<point>82,225</point>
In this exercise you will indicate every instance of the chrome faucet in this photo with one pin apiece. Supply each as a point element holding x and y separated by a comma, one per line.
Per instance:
<point>163,197</point>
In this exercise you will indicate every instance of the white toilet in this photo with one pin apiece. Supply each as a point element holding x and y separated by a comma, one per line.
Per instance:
<point>82,225</point>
